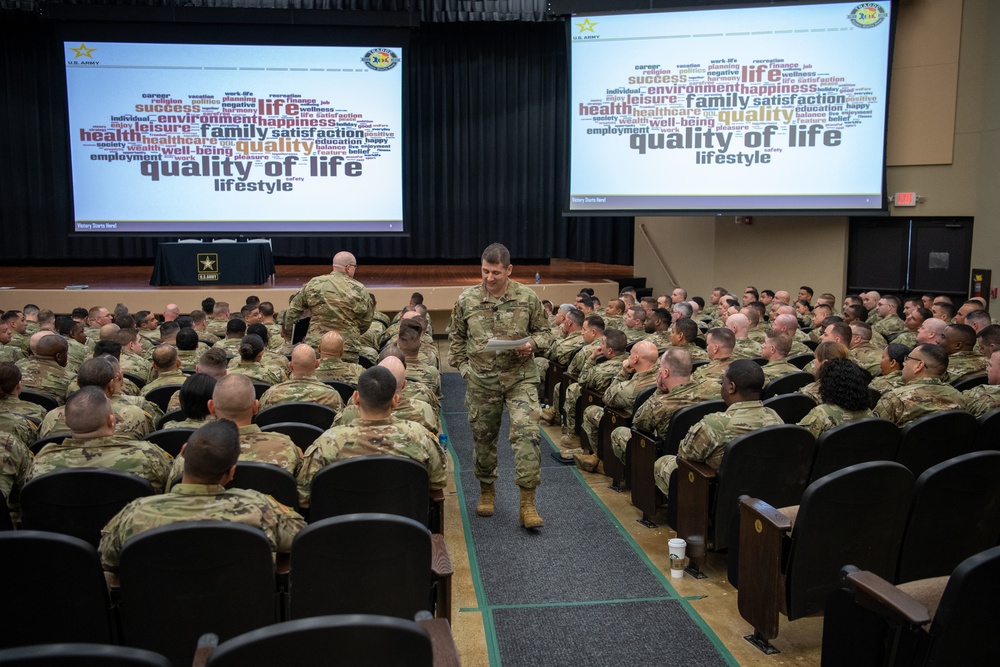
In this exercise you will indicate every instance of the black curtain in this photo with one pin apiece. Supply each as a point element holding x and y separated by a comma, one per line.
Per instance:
<point>486,156</point>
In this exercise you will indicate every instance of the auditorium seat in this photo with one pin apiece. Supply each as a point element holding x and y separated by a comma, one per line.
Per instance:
<point>612,419</point>
<point>853,442</point>
<point>988,433</point>
<point>161,395</point>
<point>170,440</point>
<point>297,411</point>
<point>346,390</point>
<point>268,479</point>
<point>39,398</point>
<point>937,437</point>
<point>81,655</point>
<point>792,408</point>
<point>787,383</point>
<point>303,435</point>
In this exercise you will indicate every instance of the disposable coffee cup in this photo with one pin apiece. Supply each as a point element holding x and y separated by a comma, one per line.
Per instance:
<point>678,551</point>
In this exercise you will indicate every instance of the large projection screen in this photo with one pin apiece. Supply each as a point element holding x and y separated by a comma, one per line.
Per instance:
<point>778,109</point>
<point>252,139</point>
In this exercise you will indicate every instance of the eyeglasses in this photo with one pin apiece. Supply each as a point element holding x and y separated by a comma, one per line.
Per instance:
<point>918,359</point>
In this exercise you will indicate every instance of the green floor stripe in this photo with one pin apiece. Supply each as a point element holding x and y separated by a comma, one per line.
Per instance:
<point>492,647</point>
<point>578,603</point>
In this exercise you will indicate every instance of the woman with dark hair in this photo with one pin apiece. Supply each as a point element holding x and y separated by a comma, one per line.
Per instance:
<point>275,360</point>
<point>891,367</point>
<point>843,387</point>
<point>251,350</point>
<point>824,352</point>
<point>194,395</point>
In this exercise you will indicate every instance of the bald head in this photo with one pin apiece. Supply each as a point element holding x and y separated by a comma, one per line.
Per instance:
<point>398,370</point>
<point>108,331</point>
<point>786,322</point>
<point>739,324</point>
<point>234,399</point>
<point>35,338</point>
<point>171,312</point>
<point>50,345</point>
<point>342,260</point>
<point>331,345</point>
<point>304,361</point>
<point>644,356</point>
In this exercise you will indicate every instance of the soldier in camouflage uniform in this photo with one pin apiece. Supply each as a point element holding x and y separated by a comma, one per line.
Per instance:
<point>889,322</point>
<point>331,363</point>
<point>657,328</point>
<point>275,343</point>
<point>775,349</point>
<point>562,349</point>
<point>741,388</point>
<point>596,378</point>
<point>684,335</point>
<point>744,348</point>
<point>218,320</point>
<point>45,370</point>
<point>416,403</point>
<point>959,341</point>
<point>824,352</point>
<point>234,333</point>
<point>408,340</point>
<point>192,399</point>
<point>212,453</point>
<point>167,368</point>
<point>506,310</point>
<point>249,364</point>
<point>863,352</point>
<point>376,431</point>
<point>233,398</point>
<point>10,389</point>
<point>131,359</point>
<point>338,303</point>
<point>303,385</point>
<point>583,359</point>
<point>891,367</point>
<point>843,387</point>
<point>635,324</point>
<point>97,317</point>
<point>95,445</point>
<point>980,400</point>
<point>719,348</point>
<point>923,392</point>
<point>8,352</point>
<point>786,322</point>
<point>188,349</point>
<point>638,372</point>
<point>18,327</point>
<point>614,315</point>
<point>674,391</point>
<point>131,422</point>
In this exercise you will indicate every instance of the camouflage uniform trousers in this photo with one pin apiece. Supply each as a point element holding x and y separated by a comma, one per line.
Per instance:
<point>591,425</point>
<point>485,406</point>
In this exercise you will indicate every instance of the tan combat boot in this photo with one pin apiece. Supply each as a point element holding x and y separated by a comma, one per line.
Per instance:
<point>529,515</point>
<point>550,416</point>
<point>586,462</point>
<point>487,499</point>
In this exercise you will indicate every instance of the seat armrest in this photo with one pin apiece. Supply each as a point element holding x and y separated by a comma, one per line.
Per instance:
<point>440,558</point>
<point>763,534</point>
<point>876,594</point>
<point>207,644</point>
<point>694,484</point>
<point>443,649</point>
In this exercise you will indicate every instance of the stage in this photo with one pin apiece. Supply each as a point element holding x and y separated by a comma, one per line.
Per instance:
<point>392,284</point>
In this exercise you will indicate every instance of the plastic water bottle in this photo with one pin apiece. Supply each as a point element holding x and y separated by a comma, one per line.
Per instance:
<point>538,278</point>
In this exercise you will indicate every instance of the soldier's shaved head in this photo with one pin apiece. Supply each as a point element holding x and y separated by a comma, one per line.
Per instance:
<point>165,357</point>
<point>234,398</point>
<point>331,345</point>
<point>87,411</point>
<point>398,370</point>
<point>49,345</point>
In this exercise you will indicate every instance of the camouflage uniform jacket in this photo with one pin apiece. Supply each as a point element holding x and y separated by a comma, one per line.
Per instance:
<point>916,398</point>
<point>150,338</point>
<point>632,334</point>
<point>707,440</point>
<point>583,360</point>
<point>826,415</point>
<point>697,354</point>
<point>13,353</point>
<point>889,325</point>
<point>200,502</point>
<point>424,374</point>
<point>620,395</point>
<point>867,356</point>
<point>715,369</point>
<point>654,415</point>
<point>175,376</point>
<point>257,372</point>
<point>335,368</point>
<point>21,342</point>
<point>131,422</point>
<point>274,339</point>
<point>408,409</point>
<point>231,346</point>
<point>136,365</point>
<point>138,457</point>
<point>614,322</point>
<point>15,466</point>
<point>45,376</point>
<point>189,358</point>
<point>907,338</point>
<point>599,377</point>
<point>190,423</point>
<point>661,339</point>
<point>777,368</point>
<point>304,388</point>
<point>216,326</point>
<point>15,405</point>
<point>338,303</point>
<point>980,400</point>
<point>478,316</point>
<point>373,334</point>
<point>76,355</point>
<point>961,364</point>
<point>884,383</point>
<point>746,349</point>
<point>259,447</point>
<point>757,334</point>
<point>562,350</point>
<point>19,427</point>
<point>374,436</point>
<point>812,391</point>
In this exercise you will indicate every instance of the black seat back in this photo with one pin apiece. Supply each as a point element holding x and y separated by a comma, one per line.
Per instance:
<point>379,483</point>
<point>161,395</point>
<point>170,440</point>
<point>297,411</point>
<point>956,506</point>
<point>39,398</point>
<point>301,434</point>
<point>79,501</point>
<point>790,407</point>
<point>856,441</point>
<point>854,516</point>
<point>185,579</point>
<point>361,564</point>
<point>787,384</point>
<point>988,435</point>
<point>268,479</point>
<point>963,631</point>
<point>345,389</point>
<point>934,438</point>
<point>682,421</point>
<point>53,590</point>
<point>81,655</point>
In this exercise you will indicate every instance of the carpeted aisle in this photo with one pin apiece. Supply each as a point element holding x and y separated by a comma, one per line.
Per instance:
<point>578,591</point>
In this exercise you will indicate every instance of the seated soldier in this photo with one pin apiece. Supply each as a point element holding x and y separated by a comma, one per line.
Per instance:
<point>889,322</point>
<point>719,348</point>
<point>744,347</point>
<point>302,385</point>
<point>218,321</point>
<point>234,333</point>
<point>843,389</point>
<point>775,350</point>
<point>131,421</point>
<point>824,352</point>
<point>78,351</point>
<point>199,322</point>
<point>863,352</point>
<point>408,340</point>
<point>596,378</point>
<point>278,362</point>
<point>958,341</point>
<point>635,323</point>
<point>706,442</point>
<point>376,431</point>
<point>8,351</point>
<point>923,391</point>
<point>657,328</point>
<point>674,390</point>
<point>168,333</point>
<point>233,398</point>
<point>684,335</point>
<point>989,340</point>
<point>167,368</point>
<point>416,403</point>
<point>891,367</point>
<point>188,349</point>
<point>980,400</point>
<point>194,396</point>
<point>582,360</point>
<point>131,359</point>
<point>249,364</point>
<point>211,455</point>
<point>95,445</point>
<point>10,389</point>
<point>45,370</point>
<point>331,360</point>
<point>562,350</point>
<point>914,320</point>
<point>213,362</point>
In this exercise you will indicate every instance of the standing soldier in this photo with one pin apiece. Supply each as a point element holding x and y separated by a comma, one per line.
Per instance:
<point>502,309</point>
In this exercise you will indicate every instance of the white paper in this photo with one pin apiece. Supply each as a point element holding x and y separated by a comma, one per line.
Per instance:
<point>497,345</point>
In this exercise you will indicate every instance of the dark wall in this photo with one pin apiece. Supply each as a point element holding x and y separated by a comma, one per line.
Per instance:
<point>485,161</point>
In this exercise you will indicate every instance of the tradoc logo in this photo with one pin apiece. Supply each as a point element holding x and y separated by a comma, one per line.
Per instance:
<point>867,15</point>
<point>208,266</point>
<point>380,60</point>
